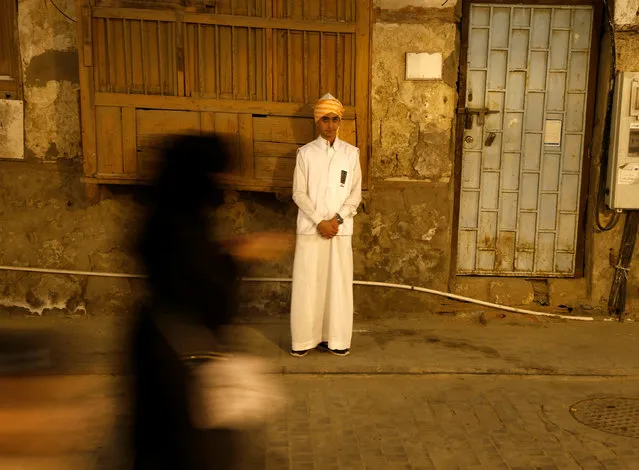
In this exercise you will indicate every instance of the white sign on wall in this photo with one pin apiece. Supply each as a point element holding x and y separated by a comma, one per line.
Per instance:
<point>11,129</point>
<point>423,66</point>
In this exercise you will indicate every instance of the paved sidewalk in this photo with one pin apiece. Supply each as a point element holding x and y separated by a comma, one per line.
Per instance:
<point>459,346</point>
<point>438,393</point>
<point>434,344</point>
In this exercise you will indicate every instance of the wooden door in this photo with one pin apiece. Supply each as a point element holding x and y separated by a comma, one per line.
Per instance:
<point>249,70</point>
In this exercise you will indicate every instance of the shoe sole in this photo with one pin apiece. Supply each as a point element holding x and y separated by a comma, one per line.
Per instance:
<point>322,348</point>
<point>339,354</point>
<point>298,354</point>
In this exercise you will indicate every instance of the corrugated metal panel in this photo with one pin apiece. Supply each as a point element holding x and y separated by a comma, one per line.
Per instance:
<point>520,192</point>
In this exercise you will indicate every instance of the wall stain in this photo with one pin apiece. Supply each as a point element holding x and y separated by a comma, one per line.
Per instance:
<point>415,15</point>
<point>52,65</point>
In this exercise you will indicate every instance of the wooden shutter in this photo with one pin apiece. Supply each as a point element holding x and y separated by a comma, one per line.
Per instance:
<point>9,62</point>
<point>249,70</point>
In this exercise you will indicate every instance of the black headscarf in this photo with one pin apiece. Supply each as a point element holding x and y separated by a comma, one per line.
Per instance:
<point>188,273</point>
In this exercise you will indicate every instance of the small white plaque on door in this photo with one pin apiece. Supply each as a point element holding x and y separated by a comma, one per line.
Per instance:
<point>552,134</point>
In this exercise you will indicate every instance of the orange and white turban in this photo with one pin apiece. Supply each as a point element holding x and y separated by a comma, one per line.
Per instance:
<point>328,104</point>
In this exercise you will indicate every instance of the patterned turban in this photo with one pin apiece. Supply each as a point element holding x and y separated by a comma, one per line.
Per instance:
<point>328,104</point>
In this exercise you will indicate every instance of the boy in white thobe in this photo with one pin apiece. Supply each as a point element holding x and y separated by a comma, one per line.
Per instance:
<point>327,186</point>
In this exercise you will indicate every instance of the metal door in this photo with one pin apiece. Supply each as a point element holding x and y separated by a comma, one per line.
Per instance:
<point>524,127</point>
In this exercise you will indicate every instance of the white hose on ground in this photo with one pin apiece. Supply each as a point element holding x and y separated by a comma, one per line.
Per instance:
<point>285,279</point>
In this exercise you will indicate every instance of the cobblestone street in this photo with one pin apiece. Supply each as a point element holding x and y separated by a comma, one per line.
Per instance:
<point>442,422</point>
<point>433,422</point>
<point>381,422</point>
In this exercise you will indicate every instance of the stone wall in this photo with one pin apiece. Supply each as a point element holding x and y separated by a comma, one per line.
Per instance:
<point>408,225</point>
<point>51,84</point>
<point>606,245</point>
<point>44,220</point>
<point>47,222</point>
<point>403,234</point>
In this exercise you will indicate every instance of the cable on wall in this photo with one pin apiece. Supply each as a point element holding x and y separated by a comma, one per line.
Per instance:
<point>62,12</point>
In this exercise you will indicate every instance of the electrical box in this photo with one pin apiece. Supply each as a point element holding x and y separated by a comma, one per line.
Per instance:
<point>622,184</point>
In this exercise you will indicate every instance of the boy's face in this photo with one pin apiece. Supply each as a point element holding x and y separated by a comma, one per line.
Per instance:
<point>328,126</point>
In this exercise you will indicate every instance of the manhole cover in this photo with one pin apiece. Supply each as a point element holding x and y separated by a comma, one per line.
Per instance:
<point>618,416</point>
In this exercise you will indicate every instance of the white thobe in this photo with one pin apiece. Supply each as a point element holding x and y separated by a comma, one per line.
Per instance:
<point>327,181</point>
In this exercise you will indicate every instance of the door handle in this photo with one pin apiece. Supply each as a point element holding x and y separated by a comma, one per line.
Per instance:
<point>479,112</point>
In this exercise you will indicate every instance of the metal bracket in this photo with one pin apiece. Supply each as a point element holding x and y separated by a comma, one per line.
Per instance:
<point>479,112</point>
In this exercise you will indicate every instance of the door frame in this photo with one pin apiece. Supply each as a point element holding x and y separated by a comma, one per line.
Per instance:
<point>588,132</point>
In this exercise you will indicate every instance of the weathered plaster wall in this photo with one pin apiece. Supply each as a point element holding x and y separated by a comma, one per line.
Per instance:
<point>51,84</point>
<point>606,244</point>
<point>403,236</point>
<point>45,221</point>
<point>625,13</point>
<point>412,120</point>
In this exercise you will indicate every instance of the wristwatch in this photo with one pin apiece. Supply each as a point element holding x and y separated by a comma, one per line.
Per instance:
<point>339,219</point>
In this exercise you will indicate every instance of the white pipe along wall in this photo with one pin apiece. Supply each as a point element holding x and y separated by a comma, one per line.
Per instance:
<point>284,279</point>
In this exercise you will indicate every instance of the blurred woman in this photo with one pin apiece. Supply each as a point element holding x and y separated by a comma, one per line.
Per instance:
<point>193,293</point>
